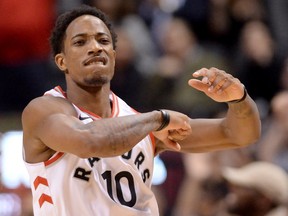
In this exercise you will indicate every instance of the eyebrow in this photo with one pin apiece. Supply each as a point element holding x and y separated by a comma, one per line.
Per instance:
<point>85,35</point>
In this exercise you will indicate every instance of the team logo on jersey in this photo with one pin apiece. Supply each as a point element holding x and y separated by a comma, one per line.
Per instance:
<point>85,119</point>
<point>81,118</point>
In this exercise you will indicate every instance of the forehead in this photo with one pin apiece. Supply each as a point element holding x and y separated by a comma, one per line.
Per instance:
<point>86,24</point>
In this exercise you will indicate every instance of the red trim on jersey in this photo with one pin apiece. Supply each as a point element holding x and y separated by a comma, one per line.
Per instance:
<point>60,90</point>
<point>152,137</point>
<point>40,180</point>
<point>135,111</point>
<point>114,112</point>
<point>90,113</point>
<point>44,198</point>
<point>115,105</point>
<point>53,158</point>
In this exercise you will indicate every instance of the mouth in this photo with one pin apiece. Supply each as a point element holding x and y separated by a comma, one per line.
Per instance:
<point>95,60</point>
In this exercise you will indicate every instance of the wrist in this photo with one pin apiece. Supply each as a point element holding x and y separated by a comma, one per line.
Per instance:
<point>241,99</point>
<point>165,119</point>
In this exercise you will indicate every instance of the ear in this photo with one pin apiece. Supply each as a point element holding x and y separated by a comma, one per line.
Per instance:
<point>60,61</point>
<point>114,53</point>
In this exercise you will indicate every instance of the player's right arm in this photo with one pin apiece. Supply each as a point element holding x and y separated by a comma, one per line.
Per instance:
<point>51,124</point>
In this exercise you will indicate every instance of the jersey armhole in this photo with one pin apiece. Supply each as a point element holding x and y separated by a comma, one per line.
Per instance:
<point>54,158</point>
<point>153,143</point>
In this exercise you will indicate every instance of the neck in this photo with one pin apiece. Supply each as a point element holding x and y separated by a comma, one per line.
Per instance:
<point>95,100</point>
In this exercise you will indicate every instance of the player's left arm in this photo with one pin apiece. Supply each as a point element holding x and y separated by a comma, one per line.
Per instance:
<point>240,127</point>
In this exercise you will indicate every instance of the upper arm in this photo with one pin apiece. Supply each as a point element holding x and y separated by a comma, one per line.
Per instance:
<point>50,125</point>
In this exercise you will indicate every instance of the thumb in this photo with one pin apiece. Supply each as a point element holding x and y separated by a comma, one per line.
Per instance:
<point>197,84</point>
<point>172,145</point>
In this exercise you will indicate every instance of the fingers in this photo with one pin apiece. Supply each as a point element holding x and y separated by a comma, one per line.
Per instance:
<point>217,84</point>
<point>178,121</point>
<point>177,135</point>
<point>216,80</point>
<point>178,129</point>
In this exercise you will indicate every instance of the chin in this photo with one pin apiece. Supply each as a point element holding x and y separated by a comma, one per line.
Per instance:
<point>97,81</point>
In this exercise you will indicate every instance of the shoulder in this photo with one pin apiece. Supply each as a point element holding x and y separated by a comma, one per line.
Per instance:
<point>36,121</point>
<point>43,107</point>
<point>48,104</point>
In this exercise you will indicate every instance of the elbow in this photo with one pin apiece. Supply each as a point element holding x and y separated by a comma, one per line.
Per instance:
<point>90,146</point>
<point>254,135</point>
<point>249,139</point>
<point>86,150</point>
<point>244,137</point>
<point>100,145</point>
<point>257,135</point>
<point>89,149</point>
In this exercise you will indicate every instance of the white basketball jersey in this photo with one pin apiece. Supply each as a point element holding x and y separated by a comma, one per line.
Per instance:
<point>67,185</point>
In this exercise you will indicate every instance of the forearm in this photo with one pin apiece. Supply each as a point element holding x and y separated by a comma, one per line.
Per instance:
<point>242,123</point>
<point>112,137</point>
<point>240,127</point>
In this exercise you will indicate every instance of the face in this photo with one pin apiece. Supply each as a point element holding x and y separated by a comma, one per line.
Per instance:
<point>88,57</point>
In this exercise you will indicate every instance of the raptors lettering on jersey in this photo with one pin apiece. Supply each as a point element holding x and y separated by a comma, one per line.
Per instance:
<point>138,160</point>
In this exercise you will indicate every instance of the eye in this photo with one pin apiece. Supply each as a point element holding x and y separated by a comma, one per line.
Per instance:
<point>104,41</point>
<point>79,42</point>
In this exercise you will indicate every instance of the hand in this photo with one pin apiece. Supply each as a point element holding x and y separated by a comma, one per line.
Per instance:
<point>217,84</point>
<point>177,129</point>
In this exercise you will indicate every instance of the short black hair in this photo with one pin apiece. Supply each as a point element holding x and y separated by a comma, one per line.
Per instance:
<point>63,21</point>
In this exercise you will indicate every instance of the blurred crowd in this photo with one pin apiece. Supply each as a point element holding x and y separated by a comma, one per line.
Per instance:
<point>160,44</point>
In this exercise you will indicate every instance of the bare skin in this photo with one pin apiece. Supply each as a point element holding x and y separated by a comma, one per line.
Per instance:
<point>51,124</point>
<point>239,128</point>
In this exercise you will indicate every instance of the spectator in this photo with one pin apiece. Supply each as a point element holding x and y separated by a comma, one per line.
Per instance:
<point>257,189</point>
<point>202,190</point>
<point>181,55</point>
<point>258,63</point>
<point>277,19</point>
<point>273,146</point>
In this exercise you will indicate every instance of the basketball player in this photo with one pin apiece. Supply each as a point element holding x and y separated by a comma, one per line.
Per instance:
<point>89,153</point>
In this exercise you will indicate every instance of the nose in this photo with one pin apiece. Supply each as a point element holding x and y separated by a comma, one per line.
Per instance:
<point>94,47</point>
